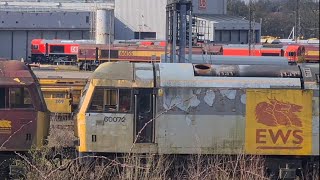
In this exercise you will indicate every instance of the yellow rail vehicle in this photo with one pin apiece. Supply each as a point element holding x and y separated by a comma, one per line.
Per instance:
<point>62,90</point>
<point>58,100</point>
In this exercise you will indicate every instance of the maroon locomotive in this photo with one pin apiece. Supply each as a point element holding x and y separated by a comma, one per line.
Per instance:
<point>24,119</point>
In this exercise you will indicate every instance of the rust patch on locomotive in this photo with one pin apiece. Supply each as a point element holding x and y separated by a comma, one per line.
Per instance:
<point>279,122</point>
<point>275,113</point>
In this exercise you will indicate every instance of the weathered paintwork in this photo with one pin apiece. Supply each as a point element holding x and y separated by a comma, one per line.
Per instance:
<point>278,122</point>
<point>21,128</point>
<point>124,75</point>
<point>194,114</point>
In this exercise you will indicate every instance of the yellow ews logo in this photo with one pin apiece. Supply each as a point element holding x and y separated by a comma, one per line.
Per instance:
<point>279,122</point>
<point>5,127</point>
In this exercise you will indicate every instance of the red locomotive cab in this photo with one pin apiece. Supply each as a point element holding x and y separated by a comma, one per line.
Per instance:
<point>54,51</point>
<point>37,46</point>
<point>294,52</point>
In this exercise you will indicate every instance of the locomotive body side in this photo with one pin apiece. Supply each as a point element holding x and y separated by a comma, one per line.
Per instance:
<point>292,51</point>
<point>196,112</point>
<point>312,53</point>
<point>88,53</point>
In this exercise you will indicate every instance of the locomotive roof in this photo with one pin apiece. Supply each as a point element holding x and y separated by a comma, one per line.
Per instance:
<point>61,41</point>
<point>14,72</point>
<point>269,47</point>
<point>120,47</point>
<point>123,74</point>
<point>144,75</point>
<point>48,74</point>
<point>239,60</point>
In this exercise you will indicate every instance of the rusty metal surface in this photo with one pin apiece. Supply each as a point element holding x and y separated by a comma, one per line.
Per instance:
<point>247,70</point>
<point>182,75</point>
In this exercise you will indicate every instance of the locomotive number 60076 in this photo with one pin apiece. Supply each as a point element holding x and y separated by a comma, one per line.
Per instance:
<point>115,119</point>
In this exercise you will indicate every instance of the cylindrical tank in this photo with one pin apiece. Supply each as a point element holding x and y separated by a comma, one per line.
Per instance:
<point>104,26</point>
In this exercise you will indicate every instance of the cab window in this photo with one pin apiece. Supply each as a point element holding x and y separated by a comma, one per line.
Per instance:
<point>292,53</point>
<point>20,98</point>
<point>15,98</point>
<point>35,47</point>
<point>111,100</point>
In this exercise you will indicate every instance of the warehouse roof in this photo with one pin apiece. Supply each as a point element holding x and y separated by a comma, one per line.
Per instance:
<point>228,21</point>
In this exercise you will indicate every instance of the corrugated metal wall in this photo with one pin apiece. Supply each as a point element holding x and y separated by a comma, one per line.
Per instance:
<point>143,15</point>
<point>17,29</point>
<point>15,44</point>
<point>150,15</point>
<point>234,36</point>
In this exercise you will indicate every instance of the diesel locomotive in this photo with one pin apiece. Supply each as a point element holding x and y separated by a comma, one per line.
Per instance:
<point>184,108</point>
<point>24,119</point>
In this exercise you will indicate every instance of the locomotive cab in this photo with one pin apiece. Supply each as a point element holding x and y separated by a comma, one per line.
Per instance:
<point>24,120</point>
<point>119,109</point>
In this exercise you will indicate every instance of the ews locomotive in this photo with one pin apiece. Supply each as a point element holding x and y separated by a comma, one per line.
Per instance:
<point>24,118</point>
<point>184,108</point>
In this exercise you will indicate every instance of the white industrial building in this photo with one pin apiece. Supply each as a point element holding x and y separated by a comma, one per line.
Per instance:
<point>149,16</point>
<point>24,20</point>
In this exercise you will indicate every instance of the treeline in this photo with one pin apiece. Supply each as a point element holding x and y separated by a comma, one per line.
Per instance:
<point>280,16</point>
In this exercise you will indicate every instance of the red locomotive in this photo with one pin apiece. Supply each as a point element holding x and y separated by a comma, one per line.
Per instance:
<point>55,51</point>
<point>86,52</point>
<point>66,51</point>
<point>291,52</point>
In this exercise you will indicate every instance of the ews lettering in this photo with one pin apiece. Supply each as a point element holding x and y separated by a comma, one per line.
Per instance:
<point>279,135</point>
